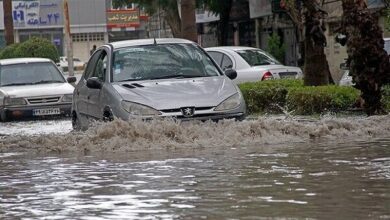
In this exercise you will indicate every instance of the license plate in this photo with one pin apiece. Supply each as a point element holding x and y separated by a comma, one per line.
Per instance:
<point>46,111</point>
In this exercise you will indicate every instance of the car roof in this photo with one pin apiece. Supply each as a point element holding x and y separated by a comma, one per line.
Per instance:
<point>234,48</point>
<point>23,60</point>
<point>150,41</point>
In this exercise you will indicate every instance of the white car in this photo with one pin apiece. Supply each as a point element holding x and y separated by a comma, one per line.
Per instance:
<point>78,65</point>
<point>33,87</point>
<point>252,64</point>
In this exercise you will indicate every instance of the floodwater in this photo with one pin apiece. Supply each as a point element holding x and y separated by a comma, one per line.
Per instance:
<point>268,168</point>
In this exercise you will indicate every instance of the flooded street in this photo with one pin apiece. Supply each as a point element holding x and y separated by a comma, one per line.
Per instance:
<point>257,169</point>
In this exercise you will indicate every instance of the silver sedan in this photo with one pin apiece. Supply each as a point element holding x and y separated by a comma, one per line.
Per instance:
<point>155,78</point>
<point>32,87</point>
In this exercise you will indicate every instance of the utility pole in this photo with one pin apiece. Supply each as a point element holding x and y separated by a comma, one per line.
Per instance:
<point>8,22</point>
<point>68,39</point>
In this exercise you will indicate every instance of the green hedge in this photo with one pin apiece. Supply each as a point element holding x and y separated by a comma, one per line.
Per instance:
<point>267,96</point>
<point>310,100</point>
<point>274,96</point>
<point>34,47</point>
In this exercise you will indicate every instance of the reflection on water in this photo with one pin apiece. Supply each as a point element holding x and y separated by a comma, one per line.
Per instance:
<point>315,180</point>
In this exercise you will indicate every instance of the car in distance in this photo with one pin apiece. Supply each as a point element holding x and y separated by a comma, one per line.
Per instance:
<point>78,65</point>
<point>33,87</point>
<point>252,64</point>
<point>155,78</point>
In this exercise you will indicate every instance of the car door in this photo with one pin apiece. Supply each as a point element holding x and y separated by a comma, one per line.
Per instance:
<point>95,106</point>
<point>81,90</point>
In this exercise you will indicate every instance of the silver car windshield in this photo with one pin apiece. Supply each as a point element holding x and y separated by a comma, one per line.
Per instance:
<point>162,61</point>
<point>29,74</point>
<point>257,57</point>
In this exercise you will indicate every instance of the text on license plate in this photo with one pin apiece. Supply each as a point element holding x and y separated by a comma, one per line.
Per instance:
<point>46,111</point>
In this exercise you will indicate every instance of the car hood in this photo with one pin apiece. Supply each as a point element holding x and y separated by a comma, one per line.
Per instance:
<point>38,90</point>
<point>177,93</point>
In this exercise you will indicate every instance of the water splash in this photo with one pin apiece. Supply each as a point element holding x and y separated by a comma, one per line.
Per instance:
<point>123,136</point>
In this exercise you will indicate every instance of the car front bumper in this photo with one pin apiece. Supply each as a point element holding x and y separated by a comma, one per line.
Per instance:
<point>28,111</point>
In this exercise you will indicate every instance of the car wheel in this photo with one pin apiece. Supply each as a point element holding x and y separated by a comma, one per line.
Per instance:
<point>107,116</point>
<point>76,122</point>
<point>3,116</point>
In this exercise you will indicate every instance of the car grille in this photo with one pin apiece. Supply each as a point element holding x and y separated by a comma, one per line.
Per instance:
<point>287,74</point>
<point>43,100</point>
<point>179,110</point>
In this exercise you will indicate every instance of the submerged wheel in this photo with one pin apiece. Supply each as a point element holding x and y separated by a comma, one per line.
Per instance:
<point>76,122</point>
<point>3,116</point>
<point>107,116</point>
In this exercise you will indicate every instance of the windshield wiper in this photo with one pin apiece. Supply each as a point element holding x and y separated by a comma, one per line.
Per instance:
<point>47,81</point>
<point>177,76</point>
<point>17,84</point>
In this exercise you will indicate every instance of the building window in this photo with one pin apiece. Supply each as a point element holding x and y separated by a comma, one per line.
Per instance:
<point>84,37</point>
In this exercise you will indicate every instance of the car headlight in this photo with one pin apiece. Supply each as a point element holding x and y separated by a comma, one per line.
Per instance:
<point>14,101</point>
<point>67,98</point>
<point>230,103</point>
<point>138,109</point>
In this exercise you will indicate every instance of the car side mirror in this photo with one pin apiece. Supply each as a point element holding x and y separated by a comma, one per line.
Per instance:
<point>231,73</point>
<point>71,79</point>
<point>94,83</point>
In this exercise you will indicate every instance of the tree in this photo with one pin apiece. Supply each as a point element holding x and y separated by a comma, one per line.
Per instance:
<point>188,20</point>
<point>368,62</point>
<point>276,48</point>
<point>168,7</point>
<point>223,9</point>
<point>8,22</point>
<point>309,20</point>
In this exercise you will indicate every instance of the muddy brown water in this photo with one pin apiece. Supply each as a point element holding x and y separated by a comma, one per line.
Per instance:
<point>268,168</point>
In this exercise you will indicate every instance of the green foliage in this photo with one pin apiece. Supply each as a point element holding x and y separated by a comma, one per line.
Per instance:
<point>275,47</point>
<point>10,51</point>
<point>386,97</point>
<point>34,47</point>
<point>319,99</point>
<point>267,96</point>
<point>275,96</point>
<point>387,19</point>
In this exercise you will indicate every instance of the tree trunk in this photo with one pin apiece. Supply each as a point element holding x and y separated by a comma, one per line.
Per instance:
<point>223,25</point>
<point>173,19</point>
<point>8,22</point>
<point>188,20</point>
<point>316,68</point>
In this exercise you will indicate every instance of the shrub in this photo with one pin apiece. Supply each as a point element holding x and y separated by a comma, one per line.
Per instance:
<point>267,96</point>
<point>10,51</point>
<point>386,97</point>
<point>34,47</point>
<point>275,95</point>
<point>276,47</point>
<point>311,100</point>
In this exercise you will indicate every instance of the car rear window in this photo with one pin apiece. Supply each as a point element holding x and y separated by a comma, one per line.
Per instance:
<point>29,73</point>
<point>161,61</point>
<point>257,57</point>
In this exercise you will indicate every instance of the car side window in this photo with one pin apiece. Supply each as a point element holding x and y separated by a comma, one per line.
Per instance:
<point>91,65</point>
<point>227,63</point>
<point>101,66</point>
<point>217,57</point>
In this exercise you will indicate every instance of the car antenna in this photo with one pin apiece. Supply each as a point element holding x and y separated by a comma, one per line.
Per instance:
<point>155,42</point>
